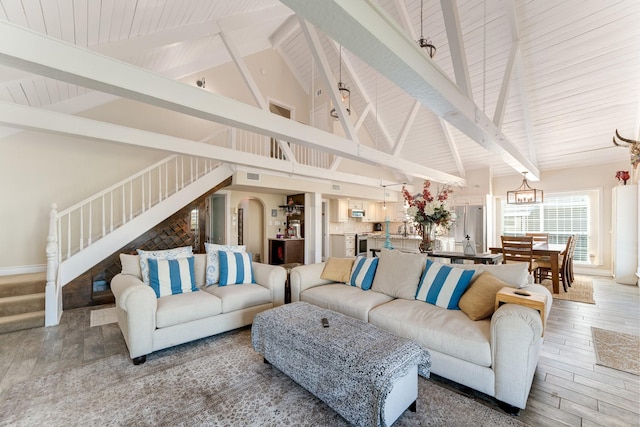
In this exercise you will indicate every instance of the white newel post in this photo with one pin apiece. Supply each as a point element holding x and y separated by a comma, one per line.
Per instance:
<point>53,301</point>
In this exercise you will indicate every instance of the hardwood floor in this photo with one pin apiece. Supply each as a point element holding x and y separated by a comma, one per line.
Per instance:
<point>568,388</point>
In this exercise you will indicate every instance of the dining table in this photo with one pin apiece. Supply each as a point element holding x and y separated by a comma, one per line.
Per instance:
<point>551,250</point>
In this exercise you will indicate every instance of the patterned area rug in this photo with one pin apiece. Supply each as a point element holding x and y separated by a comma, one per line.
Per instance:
<point>217,381</point>
<point>103,316</point>
<point>617,350</point>
<point>581,290</point>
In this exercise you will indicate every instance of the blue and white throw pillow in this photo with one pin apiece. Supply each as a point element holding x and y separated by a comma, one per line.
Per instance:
<point>235,268</point>
<point>363,271</point>
<point>171,276</point>
<point>443,285</point>
<point>176,253</point>
<point>213,263</point>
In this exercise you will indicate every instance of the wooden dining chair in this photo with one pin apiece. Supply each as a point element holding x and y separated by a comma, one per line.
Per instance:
<point>539,237</point>
<point>574,242</point>
<point>518,249</point>
<point>564,272</point>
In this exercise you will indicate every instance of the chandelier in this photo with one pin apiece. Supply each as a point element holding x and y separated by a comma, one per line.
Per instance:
<point>525,194</point>
<point>422,42</point>
<point>344,93</point>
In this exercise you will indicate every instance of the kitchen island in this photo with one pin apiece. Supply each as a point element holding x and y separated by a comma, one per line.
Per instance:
<point>398,241</point>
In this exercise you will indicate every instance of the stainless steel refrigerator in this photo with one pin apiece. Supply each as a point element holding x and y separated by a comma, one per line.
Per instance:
<point>471,220</point>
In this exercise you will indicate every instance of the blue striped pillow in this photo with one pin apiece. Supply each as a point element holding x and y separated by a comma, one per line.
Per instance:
<point>171,276</point>
<point>363,271</point>
<point>235,268</point>
<point>443,285</point>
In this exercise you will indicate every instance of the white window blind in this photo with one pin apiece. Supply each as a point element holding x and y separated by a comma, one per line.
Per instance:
<point>560,215</point>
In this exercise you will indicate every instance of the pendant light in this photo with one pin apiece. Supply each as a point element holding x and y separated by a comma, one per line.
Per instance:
<point>525,194</point>
<point>422,42</point>
<point>345,93</point>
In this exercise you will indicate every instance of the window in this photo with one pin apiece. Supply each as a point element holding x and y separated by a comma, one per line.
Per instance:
<point>560,215</point>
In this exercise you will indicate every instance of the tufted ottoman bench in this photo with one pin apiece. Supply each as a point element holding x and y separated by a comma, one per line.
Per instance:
<point>367,375</point>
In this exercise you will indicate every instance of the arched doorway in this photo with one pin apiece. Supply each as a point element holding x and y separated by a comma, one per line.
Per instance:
<point>251,214</point>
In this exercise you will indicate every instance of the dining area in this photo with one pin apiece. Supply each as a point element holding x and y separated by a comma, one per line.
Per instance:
<point>552,261</point>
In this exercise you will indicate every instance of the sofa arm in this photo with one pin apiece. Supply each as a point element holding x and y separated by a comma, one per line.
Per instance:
<point>139,303</point>
<point>273,278</point>
<point>305,277</point>
<point>516,340</point>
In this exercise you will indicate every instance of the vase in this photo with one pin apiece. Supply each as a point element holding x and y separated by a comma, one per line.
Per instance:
<point>428,232</point>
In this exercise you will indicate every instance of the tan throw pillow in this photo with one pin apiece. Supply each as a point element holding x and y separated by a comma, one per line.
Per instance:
<point>337,269</point>
<point>398,273</point>
<point>479,300</point>
<point>131,265</point>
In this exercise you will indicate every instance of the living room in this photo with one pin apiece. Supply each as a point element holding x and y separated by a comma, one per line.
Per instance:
<point>71,132</point>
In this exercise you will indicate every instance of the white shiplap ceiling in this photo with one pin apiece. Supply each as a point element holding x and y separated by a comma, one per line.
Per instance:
<point>575,79</point>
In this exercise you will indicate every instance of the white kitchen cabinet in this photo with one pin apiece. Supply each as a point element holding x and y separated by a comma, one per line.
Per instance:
<point>370,212</point>
<point>355,204</point>
<point>471,199</point>
<point>339,210</point>
<point>343,245</point>
<point>624,238</point>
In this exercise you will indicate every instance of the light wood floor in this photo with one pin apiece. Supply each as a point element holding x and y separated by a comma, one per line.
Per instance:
<point>568,389</point>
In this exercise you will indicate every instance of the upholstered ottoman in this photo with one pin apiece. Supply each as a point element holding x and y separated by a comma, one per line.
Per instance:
<point>367,375</point>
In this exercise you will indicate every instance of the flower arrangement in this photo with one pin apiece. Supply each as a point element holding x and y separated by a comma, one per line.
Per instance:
<point>623,176</point>
<point>428,210</point>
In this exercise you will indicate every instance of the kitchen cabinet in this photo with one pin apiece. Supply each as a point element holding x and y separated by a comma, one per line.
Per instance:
<point>339,210</point>
<point>355,204</point>
<point>343,245</point>
<point>370,212</point>
<point>471,199</point>
<point>286,251</point>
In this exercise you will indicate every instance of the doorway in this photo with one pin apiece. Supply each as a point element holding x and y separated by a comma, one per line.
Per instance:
<point>251,231</point>
<point>217,210</point>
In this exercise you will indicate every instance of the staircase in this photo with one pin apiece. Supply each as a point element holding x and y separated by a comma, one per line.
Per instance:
<point>21,302</point>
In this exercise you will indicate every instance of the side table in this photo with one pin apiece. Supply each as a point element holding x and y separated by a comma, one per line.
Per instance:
<point>287,285</point>
<point>538,302</point>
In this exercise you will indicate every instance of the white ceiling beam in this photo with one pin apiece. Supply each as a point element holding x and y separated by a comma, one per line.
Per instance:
<point>501,105</point>
<point>368,32</point>
<point>363,116</point>
<point>452,146</point>
<point>319,56</point>
<point>284,31</point>
<point>39,54</point>
<point>35,119</point>
<point>251,83</point>
<point>456,45</point>
<point>406,127</point>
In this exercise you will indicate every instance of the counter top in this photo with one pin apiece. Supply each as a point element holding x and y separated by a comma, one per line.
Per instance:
<point>286,239</point>
<point>397,236</point>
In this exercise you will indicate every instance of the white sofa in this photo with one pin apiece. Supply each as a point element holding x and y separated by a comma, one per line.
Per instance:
<point>496,356</point>
<point>149,323</point>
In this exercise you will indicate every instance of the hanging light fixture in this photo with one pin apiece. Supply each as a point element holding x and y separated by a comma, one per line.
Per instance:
<point>525,194</point>
<point>345,93</point>
<point>422,42</point>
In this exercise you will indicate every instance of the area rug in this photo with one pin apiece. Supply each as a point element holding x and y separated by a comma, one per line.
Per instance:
<point>617,350</point>
<point>217,381</point>
<point>581,290</point>
<point>103,316</point>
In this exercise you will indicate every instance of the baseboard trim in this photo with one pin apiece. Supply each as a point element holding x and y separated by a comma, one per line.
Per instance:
<point>24,269</point>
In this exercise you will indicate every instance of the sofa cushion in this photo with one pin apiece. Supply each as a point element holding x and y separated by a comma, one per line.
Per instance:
<point>443,285</point>
<point>171,276</point>
<point>175,253</point>
<point>182,308</point>
<point>446,331</point>
<point>348,300</point>
<point>213,263</point>
<point>478,302</point>
<point>337,269</point>
<point>363,272</point>
<point>240,296</point>
<point>516,274</point>
<point>235,268</point>
<point>398,273</point>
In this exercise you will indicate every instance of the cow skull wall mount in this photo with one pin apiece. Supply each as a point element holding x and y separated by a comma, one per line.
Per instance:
<point>634,148</point>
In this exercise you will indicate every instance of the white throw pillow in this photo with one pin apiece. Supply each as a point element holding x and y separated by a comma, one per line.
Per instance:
<point>516,274</point>
<point>213,261</point>
<point>175,253</point>
<point>398,273</point>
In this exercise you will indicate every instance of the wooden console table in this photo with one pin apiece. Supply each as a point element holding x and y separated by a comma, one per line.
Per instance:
<point>538,302</point>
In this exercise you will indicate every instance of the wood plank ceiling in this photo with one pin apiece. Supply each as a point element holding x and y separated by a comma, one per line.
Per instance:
<point>556,77</point>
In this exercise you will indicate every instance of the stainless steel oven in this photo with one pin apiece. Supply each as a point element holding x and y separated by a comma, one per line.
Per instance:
<point>361,243</point>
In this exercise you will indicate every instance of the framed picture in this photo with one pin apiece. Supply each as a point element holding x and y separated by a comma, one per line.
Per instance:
<point>274,212</point>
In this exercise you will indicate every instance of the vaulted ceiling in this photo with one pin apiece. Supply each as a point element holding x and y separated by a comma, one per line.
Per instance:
<point>515,85</point>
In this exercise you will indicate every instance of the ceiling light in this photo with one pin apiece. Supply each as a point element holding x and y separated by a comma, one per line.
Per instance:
<point>525,194</point>
<point>345,93</point>
<point>422,42</point>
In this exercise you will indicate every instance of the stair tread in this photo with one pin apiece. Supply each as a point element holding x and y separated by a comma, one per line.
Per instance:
<point>23,278</point>
<point>17,322</point>
<point>22,298</point>
<point>22,316</point>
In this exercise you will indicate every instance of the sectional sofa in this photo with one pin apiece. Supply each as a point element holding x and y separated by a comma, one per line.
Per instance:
<point>496,355</point>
